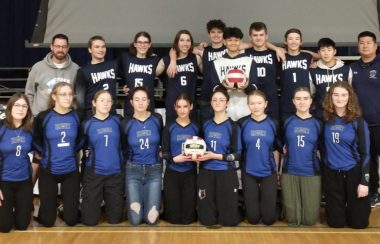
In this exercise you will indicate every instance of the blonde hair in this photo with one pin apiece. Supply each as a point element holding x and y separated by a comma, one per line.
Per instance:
<point>58,86</point>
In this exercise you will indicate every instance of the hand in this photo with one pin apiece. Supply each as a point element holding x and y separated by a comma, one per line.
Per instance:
<point>181,158</point>
<point>202,45</point>
<point>1,197</point>
<point>362,191</point>
<point>279,179</point>
<point>87,153</point>
<point>313,65</point>
<point>243,85</point>
<point>207,156</point>
<point>172,69</point>
<point>280,53</point>
<point>284,150</point>
<point>37,155</point>
<point>228,85</point>
<point>125,89</point>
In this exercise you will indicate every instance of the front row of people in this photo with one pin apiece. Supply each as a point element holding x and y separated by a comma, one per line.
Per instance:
<point>128,152</point>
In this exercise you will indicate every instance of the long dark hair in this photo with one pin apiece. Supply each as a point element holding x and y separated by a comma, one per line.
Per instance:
<point>176,40</point>
<point>26,123</point>
<point>132,48</point>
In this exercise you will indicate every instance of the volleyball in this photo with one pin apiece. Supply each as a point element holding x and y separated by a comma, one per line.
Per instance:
<point>236,77</point>
<point>194,147</point>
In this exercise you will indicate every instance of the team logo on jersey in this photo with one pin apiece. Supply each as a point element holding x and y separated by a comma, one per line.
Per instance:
<point>366,176</point>
<point>372,74</point>
<point>202,194</point>
<point>18,139</point>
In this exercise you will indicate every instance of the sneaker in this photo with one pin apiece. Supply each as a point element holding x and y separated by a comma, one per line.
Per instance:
<point>375,200</point>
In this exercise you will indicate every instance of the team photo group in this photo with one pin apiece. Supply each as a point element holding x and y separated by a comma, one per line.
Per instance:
<point>275,133</point>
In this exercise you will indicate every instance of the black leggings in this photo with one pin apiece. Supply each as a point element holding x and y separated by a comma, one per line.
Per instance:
<point>180,196</point>
<point>260,197</point>
<point>16,207</point>
<point>374,162</point>
<point>48,187</point>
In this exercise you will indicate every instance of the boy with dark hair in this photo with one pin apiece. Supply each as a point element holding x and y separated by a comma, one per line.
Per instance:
<point>328,71</point>
<point>231,65</point>
<point>217,49</point>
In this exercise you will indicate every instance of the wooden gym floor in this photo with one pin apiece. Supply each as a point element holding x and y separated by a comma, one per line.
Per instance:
<point>166,234</point>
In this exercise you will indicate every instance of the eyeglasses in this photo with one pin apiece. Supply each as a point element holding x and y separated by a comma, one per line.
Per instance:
<point>142,43</point>
<point>65,94</point>
<point>22,106</point>
<point>60,47</point>
<point>218,100</point>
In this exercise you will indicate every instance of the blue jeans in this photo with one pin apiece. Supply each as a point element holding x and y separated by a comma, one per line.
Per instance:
<point>143,192</point>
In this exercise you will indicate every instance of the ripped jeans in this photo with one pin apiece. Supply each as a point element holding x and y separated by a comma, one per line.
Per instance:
<point>143,192</point>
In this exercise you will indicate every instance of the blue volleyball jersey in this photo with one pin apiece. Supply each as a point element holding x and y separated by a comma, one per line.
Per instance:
<point>141,139</point>
<point>223,138</point>
<point>137,72</point>
<point>322,77</point>
<point>259,139</point>
<point>366,83</point>
<point>346,145</point>
<point>92,78</point>
<point>103,140</point>
<point>55,136</point>
<point>209,55</point>
<point>302,139</point>
<point>185,81</point>
<point>173,137</point>
<point>15,144</point>
<point>294,74</point>
<point>267,63</point>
